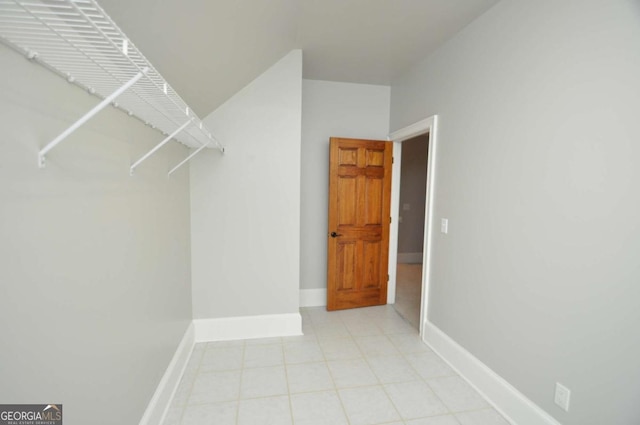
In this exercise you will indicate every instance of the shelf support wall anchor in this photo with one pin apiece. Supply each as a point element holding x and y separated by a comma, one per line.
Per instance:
<point>159,145</point>
<point>86,117</point>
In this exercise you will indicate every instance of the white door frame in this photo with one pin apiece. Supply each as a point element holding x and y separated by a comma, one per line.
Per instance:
<point>428,125</point>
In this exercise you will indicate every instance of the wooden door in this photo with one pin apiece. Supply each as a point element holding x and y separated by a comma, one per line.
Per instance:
<point>359,217</point>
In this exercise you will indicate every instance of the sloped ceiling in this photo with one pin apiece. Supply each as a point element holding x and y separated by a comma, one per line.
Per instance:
<point>210,49</point>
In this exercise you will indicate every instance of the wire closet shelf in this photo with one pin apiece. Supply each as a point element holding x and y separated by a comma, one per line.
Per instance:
<point>78,40</point>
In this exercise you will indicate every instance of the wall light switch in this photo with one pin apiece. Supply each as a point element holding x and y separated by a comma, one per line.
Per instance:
<point>562,396</point>
<point>444,225</point>
<point>406,207</point>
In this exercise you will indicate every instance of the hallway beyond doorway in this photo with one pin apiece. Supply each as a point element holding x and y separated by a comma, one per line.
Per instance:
<point>409,292</point>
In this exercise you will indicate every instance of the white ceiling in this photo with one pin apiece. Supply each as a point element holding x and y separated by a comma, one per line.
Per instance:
<point>209,49</point>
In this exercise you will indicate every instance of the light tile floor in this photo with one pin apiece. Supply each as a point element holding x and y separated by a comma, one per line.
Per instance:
<point>353,367</point>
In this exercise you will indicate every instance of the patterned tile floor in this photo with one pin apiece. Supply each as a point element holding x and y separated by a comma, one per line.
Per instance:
<point>353,367</point>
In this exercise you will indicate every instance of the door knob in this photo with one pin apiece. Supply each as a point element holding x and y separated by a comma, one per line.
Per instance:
<point>335,235</point>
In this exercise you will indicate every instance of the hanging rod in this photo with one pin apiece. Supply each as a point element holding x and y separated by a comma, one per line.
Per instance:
<point>77,40</point>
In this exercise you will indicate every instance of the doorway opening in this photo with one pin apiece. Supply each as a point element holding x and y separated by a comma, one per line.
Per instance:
<point>411,223</point>
<point>429,127</point>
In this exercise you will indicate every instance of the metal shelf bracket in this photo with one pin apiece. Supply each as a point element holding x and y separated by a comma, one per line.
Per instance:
<point>86,117</point>
<point>194,153</point>
<point>184,161</point>
<point>159,145</point>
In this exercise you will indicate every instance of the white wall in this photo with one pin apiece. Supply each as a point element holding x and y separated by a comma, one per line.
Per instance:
<point>538,174</point>
<point>94,264</point>
<point>245,204</point>
<point>329,109</point>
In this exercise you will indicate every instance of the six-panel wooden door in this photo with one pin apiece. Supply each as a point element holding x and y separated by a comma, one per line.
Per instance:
<point>359,217</point>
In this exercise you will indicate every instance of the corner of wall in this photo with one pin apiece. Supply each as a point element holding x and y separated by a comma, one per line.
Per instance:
<point>245,220</point>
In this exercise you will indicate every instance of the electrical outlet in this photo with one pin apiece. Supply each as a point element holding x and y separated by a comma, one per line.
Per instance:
<point>562,396</point>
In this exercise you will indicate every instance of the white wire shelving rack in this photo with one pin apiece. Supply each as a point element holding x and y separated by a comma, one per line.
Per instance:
<point>77,40</point>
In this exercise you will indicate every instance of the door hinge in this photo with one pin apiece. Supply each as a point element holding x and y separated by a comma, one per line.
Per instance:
<point>387,278</point>
<point>393,159</point>
<point>390,219</point>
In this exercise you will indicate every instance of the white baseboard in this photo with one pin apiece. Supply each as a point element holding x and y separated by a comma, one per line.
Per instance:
<point>510,402</point>
<point>313,297</point>
<point>161,400</point>
<point>203,330</point>
<point>410,257</point>
<point>247,327</point>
